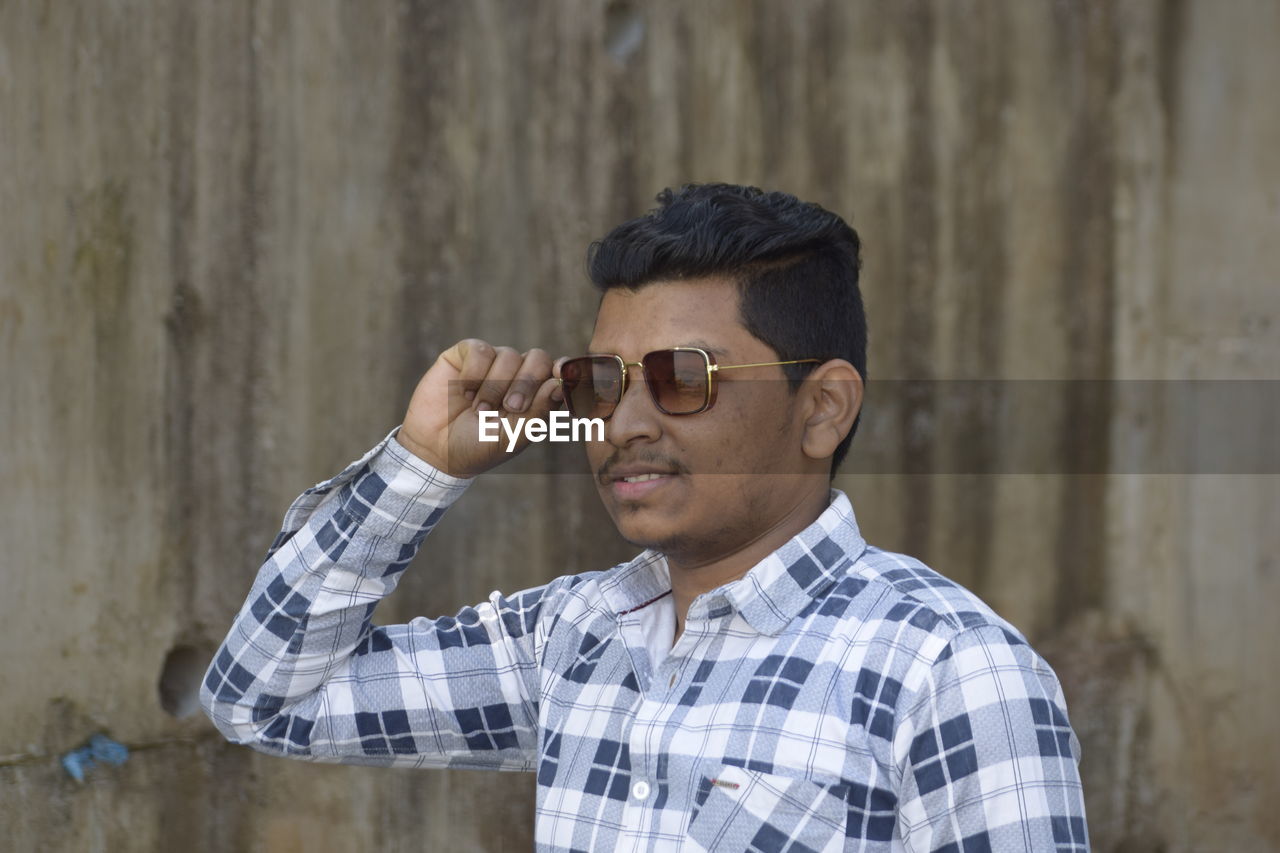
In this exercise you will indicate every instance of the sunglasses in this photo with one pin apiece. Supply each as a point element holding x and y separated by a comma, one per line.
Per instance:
<point>681,380</point>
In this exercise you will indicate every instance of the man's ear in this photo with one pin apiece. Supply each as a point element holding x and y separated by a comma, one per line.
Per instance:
<point>833,396</point>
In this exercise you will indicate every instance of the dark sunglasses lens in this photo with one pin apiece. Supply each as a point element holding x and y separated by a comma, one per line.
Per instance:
<point>592,386</point>
<point>678,380</point>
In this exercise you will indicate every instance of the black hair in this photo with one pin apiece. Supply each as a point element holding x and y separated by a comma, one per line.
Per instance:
<point>795,264</point>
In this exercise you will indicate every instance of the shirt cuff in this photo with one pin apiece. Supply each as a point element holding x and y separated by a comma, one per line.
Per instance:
<point>429,474</point>
<point>395,495</point>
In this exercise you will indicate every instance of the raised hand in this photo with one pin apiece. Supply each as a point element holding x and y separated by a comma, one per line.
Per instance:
<point>442,424</point>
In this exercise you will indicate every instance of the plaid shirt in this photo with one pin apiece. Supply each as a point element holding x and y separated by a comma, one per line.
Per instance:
<point>837,697</point>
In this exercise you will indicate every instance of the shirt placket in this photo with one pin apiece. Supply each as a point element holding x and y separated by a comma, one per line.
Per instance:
<point>656,708</point>
<point>638,809</point>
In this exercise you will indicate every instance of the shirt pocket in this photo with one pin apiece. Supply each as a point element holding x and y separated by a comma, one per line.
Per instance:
<point>736,809</point>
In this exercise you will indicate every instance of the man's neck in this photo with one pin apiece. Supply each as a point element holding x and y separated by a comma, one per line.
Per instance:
<point>691,578</point>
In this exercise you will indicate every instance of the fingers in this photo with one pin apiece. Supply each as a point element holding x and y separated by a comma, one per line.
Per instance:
<point>533,372</point>
<point>472,359</point>
<point>499,377</point>
<point>493,387</point>
<point>547,398</point>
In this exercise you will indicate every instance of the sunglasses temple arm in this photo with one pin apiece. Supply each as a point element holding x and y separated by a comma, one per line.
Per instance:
<point>716,367</point>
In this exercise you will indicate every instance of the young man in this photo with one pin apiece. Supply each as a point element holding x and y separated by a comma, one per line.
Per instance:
<point>759,677</point>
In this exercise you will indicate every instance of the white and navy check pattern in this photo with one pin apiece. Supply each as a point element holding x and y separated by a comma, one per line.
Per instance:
<point>837,697</point>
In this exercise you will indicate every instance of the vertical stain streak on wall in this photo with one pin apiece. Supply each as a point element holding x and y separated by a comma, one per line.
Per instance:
<point>254,188</point>
<point>1087,183</point>
<point>182,319</point>
<point>102,265</point>
<point>914,353</point>
<point>973,272</point>
<point>1171,22</point>
<point>426,196</point>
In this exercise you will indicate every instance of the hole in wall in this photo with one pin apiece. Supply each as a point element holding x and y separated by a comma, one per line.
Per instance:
<point>180,677</point>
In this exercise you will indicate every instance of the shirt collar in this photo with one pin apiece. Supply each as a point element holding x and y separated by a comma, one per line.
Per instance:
<point>773,592</point>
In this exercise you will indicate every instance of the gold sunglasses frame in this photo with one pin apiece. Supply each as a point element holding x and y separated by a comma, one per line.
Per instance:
<point>712,369</point>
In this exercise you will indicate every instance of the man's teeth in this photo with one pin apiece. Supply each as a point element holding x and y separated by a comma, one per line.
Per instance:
<point>642,478</point>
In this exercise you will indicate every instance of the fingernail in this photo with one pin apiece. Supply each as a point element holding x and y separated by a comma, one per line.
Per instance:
<point>515,403</point>
<point>557,396</point>
<point>470,395</point>
<point>484,407</point>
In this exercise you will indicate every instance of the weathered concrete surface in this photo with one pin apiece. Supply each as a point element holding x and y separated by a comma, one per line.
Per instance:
<point>233,235</point>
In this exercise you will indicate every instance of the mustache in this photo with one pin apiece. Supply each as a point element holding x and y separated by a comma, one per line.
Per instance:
<point>605,472</point>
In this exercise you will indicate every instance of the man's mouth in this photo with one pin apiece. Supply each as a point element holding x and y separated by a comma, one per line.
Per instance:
<point>639,486</point>
<point>636,480</point>
<point>643,478</point>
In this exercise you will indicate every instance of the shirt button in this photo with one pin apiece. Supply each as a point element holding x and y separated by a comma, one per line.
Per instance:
<point>640,790</point>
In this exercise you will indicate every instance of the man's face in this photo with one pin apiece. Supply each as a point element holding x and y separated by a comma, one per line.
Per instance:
<point>720,487</point>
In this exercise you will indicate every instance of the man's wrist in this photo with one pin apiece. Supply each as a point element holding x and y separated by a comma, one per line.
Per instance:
<point>410,455</point>
<point>398,496</point>
<point>404,440</point>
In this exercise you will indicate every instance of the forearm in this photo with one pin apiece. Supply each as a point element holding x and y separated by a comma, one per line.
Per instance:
<point>343,549</point>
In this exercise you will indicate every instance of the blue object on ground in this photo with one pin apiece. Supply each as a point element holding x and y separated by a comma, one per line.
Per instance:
<point>99,750</point>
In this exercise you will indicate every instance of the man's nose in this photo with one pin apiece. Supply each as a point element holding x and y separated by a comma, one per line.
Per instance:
<point>635,418</point>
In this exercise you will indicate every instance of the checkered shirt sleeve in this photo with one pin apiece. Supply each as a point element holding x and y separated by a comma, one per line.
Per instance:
<point>987,758</point>
<point>303,671</point>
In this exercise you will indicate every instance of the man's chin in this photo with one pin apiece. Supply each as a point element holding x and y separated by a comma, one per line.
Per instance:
<point>642,536</point>
<point>659,522</point>
<point>646,533</point>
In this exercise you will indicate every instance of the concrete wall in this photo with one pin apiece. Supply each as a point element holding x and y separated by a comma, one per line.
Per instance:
<point>233,235</point>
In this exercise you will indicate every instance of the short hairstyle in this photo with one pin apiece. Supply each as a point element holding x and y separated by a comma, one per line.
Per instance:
<point>795,264</point>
